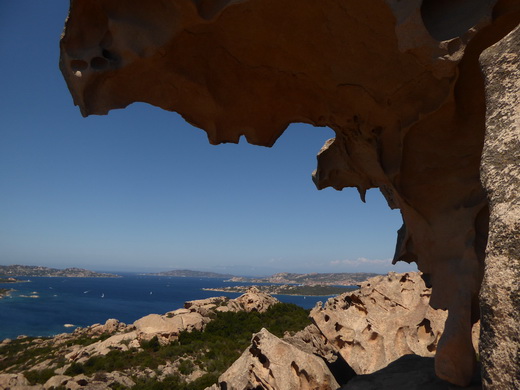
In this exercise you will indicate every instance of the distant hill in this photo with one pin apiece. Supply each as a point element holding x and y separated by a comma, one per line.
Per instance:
<point>185,273</point>
<point>338,279</point>
<point>312,279</point>
<point>32,270</point>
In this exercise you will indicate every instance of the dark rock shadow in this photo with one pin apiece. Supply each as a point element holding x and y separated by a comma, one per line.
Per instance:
<point>410,372</point>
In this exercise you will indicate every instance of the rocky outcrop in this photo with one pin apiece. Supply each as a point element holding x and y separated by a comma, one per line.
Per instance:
<point>252,300</point>
<point>500,295</point>
<point>388,317</point>
<point>398,81</point>
<point>271,363</point>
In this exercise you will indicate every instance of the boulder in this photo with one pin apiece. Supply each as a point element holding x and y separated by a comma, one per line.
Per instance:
<point>167,328</point>
<point>312,341</point>
<point>388,317</point>
<point>56,382</point>
<point>271,363</point>
<point>252,300</point>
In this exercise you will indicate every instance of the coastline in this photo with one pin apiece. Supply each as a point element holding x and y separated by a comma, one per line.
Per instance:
<point>288,289</point>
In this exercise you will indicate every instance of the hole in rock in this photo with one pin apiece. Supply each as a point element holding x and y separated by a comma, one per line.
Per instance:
<point>109,55</point>
<point>448,19</point>
<point>76,65</point>
<point>98,63</point>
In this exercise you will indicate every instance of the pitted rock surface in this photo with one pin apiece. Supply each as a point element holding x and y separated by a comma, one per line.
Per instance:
<point>388,317</point>
<point>271,363</point>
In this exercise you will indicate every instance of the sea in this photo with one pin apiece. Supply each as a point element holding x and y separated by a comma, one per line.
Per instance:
<point>46,306</point>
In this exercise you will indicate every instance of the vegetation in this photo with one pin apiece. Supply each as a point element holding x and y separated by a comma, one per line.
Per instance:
<point>42,376</point>
<point>8,280</point>
<point>212,350</point>
<point>18,356</point>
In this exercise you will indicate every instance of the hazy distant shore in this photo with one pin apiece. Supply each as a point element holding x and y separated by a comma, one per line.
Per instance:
<point>9,271</point>
<point>285,289</point>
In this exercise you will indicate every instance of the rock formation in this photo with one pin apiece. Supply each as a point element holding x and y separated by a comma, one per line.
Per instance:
<point>386,329</point>
<point>271,363</point>
<point>388,317</point>
<point>500,295</point>
<point>399,82</point>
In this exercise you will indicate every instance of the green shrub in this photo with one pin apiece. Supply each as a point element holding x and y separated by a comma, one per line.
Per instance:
<point>75,369</point>
<point>186,367</point>
<point>39,376</point>
<point>151,345</point>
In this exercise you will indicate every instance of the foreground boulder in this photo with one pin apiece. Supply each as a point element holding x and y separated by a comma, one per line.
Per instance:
<point>271,363</point>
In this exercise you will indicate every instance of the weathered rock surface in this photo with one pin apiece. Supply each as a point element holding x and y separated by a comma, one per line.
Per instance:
<point>398,81</point>
<point>16,382</point>
<point>252,300</point>
<point>388,317</point>
<point>169,327</point>
<point>500,295</point>
<point>271,363</point>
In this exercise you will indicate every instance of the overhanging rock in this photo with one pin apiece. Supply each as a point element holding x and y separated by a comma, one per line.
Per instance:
<point>398,81</point>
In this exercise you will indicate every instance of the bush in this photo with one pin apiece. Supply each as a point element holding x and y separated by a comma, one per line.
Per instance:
<point>151,345</point>
<point>36,376</point>
<point>186,367</point>
<point>75,369</point>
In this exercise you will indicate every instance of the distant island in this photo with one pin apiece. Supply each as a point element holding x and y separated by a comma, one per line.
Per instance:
<point>312,279</point>
<point>8,271</point>
<point>185,273</point>
<point>289,289</point>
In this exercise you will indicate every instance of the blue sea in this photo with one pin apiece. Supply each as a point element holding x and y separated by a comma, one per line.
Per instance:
<point>42,306</point>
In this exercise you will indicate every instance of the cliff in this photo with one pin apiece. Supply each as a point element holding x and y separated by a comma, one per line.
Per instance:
<point>399,83</point>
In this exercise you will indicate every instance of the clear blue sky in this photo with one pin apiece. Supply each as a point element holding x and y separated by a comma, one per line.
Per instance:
<point>140,189</point>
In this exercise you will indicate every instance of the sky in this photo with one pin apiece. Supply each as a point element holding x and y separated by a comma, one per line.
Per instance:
<point>141,190</point>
